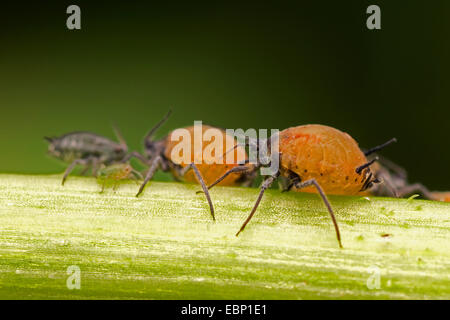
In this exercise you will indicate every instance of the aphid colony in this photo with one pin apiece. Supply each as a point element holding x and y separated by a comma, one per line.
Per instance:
<point>311,158</point>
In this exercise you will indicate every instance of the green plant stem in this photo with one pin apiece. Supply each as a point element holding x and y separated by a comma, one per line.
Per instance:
<point>163,245</point>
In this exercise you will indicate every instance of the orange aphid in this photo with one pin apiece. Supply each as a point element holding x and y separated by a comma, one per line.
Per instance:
<point>441,196</point>
<point>200,167</point>
<point>325,154</point>
<point>208,163</point>
<point>320,159</point>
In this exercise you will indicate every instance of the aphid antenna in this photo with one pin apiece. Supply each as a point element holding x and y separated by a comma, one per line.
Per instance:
<point>391,166</point>
<point>230,150</point>
<point>119,135</point>
<point>49,139</point>
<point>248,141</point>
<point>152,131</point>
<point>137,174</point>
<point>381,146</point>
<point>259,144</point>
<point>365,165</point>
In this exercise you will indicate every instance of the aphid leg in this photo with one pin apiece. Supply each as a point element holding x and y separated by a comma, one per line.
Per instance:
<point>398,170</point>
<point>386,179</point>
<point>232,170</point>
<point>103,186</point>
<point>287,188</point>
<point>72,166</point>
<point>95,168</point>
<point>151,171</point>
<point>293,180</point>
<point>284,184</point>
<point>202,183</point>
<point>416,187</point>
<point>156,127</point>
<point>96,164</point>
<point>266,184</point>
<point>313,182</point>
<point>85,170</point>
<point>135,175</point>
<point>174,168</point>
<point>248,178</point>
<point>135,154</point>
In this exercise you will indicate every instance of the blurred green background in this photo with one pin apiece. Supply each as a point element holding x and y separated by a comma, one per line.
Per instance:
<point>232,64</point>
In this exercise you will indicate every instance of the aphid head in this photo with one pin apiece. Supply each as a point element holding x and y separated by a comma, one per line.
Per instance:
<point>120,151</point>
<point>127,169</point>
<point>152,147</point>
<point>130,172</point>
<point>53,148</point>
<point>369,179</point>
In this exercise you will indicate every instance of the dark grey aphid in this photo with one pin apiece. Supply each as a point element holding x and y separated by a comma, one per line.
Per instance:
<point>89,150</point>
<point>396,183</point>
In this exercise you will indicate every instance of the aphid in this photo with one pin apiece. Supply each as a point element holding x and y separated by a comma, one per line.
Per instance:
<point>159,155</point>
<point>441,196</point>
<point>87,149</point>
<point>319,159</point>
<point>395,183</point>
<point>116,173</point>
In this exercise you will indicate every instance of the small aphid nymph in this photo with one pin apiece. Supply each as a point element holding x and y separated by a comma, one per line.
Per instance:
<point>114,174</point>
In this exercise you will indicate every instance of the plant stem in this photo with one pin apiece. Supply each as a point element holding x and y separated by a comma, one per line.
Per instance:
<point>163,245</point>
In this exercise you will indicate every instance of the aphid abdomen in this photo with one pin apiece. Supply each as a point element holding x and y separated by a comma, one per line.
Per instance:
<point>441,196</point>
<point>84,145</point>
<point>113,175</point>
<point>118,171</point>
<point>208,162</point>
<point>325,154</point>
